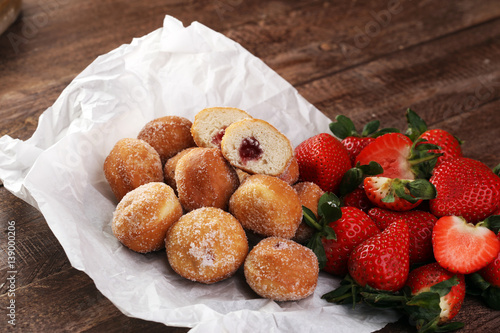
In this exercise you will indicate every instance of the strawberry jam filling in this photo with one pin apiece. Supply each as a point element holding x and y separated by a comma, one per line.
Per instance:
<point>217,138</point>
<point>250,150</point>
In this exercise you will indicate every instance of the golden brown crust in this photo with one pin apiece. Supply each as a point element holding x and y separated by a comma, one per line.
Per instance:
<point>143,216</point>
<point>206,245</point>
<point>170,165</point>
<point>168,135</point>
<point>291,173</point>
<point>309,194</point>
<point>267,205</point>
<point>281,269</point>
<point>205,179</point>
<point>130,164</point>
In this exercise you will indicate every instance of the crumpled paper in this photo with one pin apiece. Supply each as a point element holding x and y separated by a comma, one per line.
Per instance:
<point>174,70</point>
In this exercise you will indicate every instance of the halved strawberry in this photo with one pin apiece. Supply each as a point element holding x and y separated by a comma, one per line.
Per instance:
<point>343,128</point>
<point>323,160</point>
<point>399,156</point>
<point>397,194</point>
<point>462,247</point>
<point>382,261</point>
<point>465,187</point>
<point>420,224</point>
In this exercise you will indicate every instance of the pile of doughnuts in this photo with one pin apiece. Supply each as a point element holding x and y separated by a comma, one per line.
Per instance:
<point>199,189</point>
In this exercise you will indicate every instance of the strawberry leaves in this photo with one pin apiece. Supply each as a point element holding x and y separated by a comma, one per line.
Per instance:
<point>344,127</point>
<point>328,211</point>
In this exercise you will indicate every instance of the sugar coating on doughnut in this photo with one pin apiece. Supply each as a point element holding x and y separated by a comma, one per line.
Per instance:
<point>309,194</point>
<point>168,135</point>
<point>205,179</point>
<point>130,164</point>
<point>143,216</point>
<point>257,147</point>
<point>281,269</point>
<point>209,125</point>
<point>267,205</point>
<point>206,245</point>
<point>170,165</point>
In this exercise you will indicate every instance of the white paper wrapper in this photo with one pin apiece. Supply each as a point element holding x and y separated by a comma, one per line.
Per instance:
<point>172,71</point>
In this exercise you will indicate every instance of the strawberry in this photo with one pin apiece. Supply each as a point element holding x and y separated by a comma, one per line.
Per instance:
<point>491,273</point>
<point>351,229</point>
<point>382,261</point>
<point>337,231</point>
<point>462,247</point>
<point>465,187</point>
<point>357,198</point>
<point>323,160</point>
<point>397,194</point>
<point>486,282</point>
<point>449,145</point>
<point>343,128</point>
<point>423,283</point>
<point>420,225</point>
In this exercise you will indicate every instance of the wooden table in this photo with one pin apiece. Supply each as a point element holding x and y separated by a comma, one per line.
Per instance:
<point>365,59</point>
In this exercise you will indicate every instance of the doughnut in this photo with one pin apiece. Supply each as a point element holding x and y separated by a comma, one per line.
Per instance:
<point>130,164</point>
<point>168,135</point>
<point>291,173</point>
<point>210,124</point>
<point>170,165</point>
<point>267,206</point>
<point>143,216</point>
<point>205,179</point>
<point>255,146</point>
<point>206,245</point>
<point>281,269</point>
<point>309,194</point>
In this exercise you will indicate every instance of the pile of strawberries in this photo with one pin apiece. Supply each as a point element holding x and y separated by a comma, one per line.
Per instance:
<point>407,220</point>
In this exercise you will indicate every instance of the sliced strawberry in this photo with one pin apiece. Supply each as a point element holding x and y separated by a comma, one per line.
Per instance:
<point>397,194</point>
<point>420,224</point>
<point>462,247</point>
<point>382,261</point>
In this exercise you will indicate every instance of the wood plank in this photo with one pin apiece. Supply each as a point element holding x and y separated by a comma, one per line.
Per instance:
<point>444,82</point>
<point>69,302</point>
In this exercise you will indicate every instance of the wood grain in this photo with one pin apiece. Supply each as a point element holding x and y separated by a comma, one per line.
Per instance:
<point>365,59</point>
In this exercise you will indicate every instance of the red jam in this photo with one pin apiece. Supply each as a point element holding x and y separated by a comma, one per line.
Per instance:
<point>250,150</point>
<point>217,139</point>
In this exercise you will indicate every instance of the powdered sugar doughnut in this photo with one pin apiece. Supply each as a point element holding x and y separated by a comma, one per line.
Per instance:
<point>168,135</point>
<point>267,205</point>
<point>206,245</point>
<point>281,269</point>
<point>143,216</point>
<point>257,147</point>
<point>130,164</point>
<point>205,179</point>
<point>210,124</point>
<point>309,194</point>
